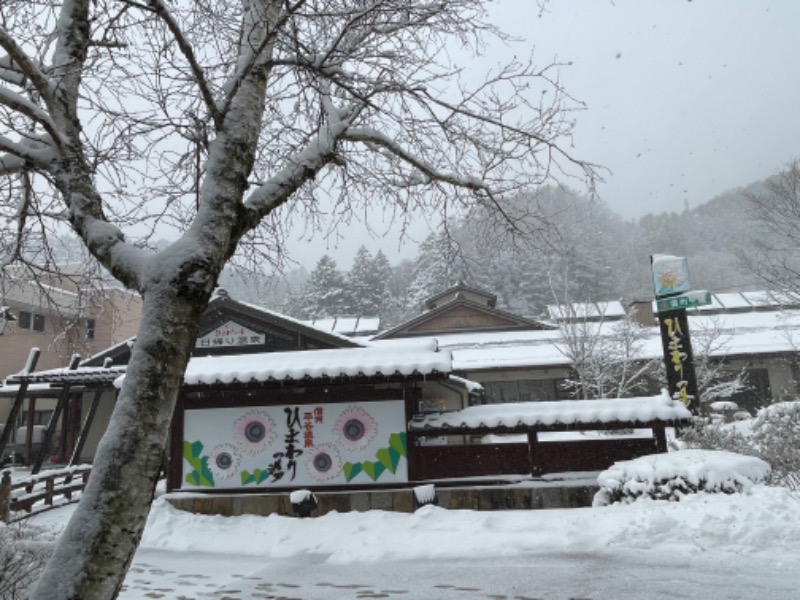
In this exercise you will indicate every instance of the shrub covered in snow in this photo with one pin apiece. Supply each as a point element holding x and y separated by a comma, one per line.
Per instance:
<point>714,434</point>
<point>774,436</point>
<point>24,551</point>
<point>673,475</point>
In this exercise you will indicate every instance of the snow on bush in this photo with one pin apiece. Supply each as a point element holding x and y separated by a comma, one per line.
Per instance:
<point>772,436</point>
<point>24,550</point>
<point>673,475</point>
<point>775,437</point>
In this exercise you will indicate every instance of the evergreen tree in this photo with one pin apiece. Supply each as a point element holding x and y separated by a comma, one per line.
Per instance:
<point>436,268</point>
<point>325,293</point>
<point>365,289</point>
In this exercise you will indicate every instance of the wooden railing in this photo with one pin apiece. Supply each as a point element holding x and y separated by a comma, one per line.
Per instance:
<point>41,492</point>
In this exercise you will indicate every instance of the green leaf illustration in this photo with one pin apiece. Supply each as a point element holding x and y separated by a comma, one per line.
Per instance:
<point>257,476</point>
<point>351,470</point>
<point>389,458</point>
<point>201,476</point>
<point>373,469</point>
<point>398,442</point>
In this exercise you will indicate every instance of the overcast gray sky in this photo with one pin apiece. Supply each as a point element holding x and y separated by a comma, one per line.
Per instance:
<point>685,99</point>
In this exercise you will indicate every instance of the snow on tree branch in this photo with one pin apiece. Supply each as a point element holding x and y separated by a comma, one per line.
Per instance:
<point>165,15</point>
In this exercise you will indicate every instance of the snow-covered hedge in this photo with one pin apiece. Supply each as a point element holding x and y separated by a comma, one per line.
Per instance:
<point>673,475</point>
<point>775,437</point>
<point>772,436</point>
<point>23,552</point>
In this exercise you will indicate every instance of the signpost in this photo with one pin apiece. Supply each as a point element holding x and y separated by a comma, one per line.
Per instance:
<point>673,297</point>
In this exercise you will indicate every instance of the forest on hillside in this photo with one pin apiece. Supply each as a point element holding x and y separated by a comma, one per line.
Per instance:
<point>579,251</point>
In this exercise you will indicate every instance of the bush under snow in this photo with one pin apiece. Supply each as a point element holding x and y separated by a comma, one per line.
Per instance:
<point>772,436</point>
<point>24,550</point>
<point>673,475</point>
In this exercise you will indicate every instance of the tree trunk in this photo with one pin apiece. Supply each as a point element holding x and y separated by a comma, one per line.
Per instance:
<point>94,552</point>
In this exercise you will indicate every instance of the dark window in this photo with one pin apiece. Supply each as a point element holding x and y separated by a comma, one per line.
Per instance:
<point>523,390</point>
<point>757,393</point>
<point>30,321</point>
<point>40,417</point>
<point>90,326</point>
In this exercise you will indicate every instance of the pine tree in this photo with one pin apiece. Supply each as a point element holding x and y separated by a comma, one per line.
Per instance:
<point>436,268</point>
<point>325,293</point>
<point>365,290</point>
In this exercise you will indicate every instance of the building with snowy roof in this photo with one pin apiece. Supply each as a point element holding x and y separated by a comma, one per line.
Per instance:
<point>270,402</point>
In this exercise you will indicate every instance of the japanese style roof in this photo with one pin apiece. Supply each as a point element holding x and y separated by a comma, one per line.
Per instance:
<point>460,287</point>
<point>462,315</point>
<point>420,358</point>
<point>349,326</point>
<point>555,415</point>
<point>406,359</point>
<point>80,376</point>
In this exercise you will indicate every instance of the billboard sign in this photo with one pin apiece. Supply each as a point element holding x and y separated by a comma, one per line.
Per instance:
<point>336,444</point>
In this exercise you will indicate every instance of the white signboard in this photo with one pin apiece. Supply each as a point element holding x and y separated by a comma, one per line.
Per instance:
<point>230,335</point>
<point>670,274</point>
<point>295,445</point>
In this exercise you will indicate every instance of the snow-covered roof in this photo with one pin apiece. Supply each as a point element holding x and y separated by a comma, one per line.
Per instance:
<point>348,326</point>
<point>82,375</point>
<point>737,334</point>
<point>421,358</point>
<point>586,310</point>
<point>221,296</point>
<point>556,414</point>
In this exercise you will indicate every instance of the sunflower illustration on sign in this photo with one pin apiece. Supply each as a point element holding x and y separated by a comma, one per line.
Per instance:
<point>224,461</point>
<point>324,462</point>
<point>254,432</point>
<point>355,429</point>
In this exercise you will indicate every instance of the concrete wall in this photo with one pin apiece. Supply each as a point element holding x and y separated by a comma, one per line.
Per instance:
<point>485,498</point>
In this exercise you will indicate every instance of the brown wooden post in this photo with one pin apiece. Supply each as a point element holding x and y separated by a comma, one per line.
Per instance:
<point>29,430</point>
<point>5,496</point>
<point>174,468</point>
<point>49,484</point>
<point>10,427</point>
<point>11,423</point>
<point>534,453</point>
<point>53,423</point>
<point>411,394</point>
<point>660,436</point>
<point>87,426</point>
<point>72,421</point>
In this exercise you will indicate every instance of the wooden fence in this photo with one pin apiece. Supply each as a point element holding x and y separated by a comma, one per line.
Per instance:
<point>41,492</point>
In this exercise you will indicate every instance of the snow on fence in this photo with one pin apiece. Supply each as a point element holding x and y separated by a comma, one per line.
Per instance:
<point>41,492</point>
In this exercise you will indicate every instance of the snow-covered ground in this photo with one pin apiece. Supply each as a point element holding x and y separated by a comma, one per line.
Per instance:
<point>739,546</point>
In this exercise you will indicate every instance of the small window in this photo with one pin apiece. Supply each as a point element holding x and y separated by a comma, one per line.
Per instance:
<point>90,327</point>
<point>24,321</point>
<point>30,321</point>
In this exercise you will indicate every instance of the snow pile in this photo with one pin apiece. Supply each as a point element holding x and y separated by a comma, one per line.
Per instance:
<point>672,476</point>
<point>763,521</point>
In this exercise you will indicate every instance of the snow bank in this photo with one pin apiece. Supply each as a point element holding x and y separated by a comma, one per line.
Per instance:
<point>671,476</point>
<point>762,521</point>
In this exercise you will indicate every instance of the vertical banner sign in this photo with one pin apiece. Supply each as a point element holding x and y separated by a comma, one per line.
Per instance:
<point>671,278</point>
<point>678,358</point>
